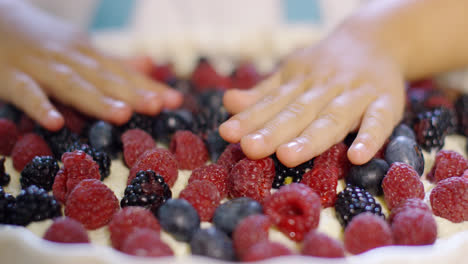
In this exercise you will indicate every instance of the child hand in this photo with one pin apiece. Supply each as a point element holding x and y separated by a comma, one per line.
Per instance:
<point>42,57</point>
<point>319,95</point>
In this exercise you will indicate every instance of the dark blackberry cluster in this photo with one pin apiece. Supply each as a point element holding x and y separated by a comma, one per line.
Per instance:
<point>461,108</point>
<point>60,141</point>
<point>168,122</point>
<point>103,136</point>
<point>40,171</point>
<point>34,204</point>
<point>7,206</point>
<point>211,112</point>
<point>354,200</point>
<point>4,177</point>
<point>285,175</point>
<point>148,190</point>
<point>143,122</point>
<point>100,157</point>
<point>431,127</point>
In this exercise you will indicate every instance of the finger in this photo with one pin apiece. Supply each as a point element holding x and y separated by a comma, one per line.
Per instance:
<point>236,101</point>
<point>22,91</point>
<point>290,122</point>
<point>62,83</point>
<point>259,113</point>
<point>167,97</point>
<point>377,125</point>
<point>331,126</point>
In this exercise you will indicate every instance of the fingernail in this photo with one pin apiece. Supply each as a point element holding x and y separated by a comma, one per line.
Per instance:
<point>295,146</point>
<point>256,137</point>
<point>53,114</point>
<point>231,125</point>
<point>359,147</point>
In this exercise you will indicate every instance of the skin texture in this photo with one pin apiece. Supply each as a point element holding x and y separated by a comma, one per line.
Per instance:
<point>41,57</point>
<point>351,80</point>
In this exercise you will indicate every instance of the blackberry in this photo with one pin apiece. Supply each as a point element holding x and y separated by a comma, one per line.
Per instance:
<point>354,200</point>
<point>40,171</point>
<point>59,141</point>
<point>461,108</point>
<point>10,112</point>
<point>285,175</point>
<point>147,190</point>
<point>7,206</point>
<point>34,204</point>
<point>4,177</point>
<point>143,122</point>
<point>179,218</point>
<point>213,243</point>
<point>168,122</point>
<point>215,144</point>
<point>103,136</point>
<point>100,157</point>
<point>431,127</point>
<point>211,113</point>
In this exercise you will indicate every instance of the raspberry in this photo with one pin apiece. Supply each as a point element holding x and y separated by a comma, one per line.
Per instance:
<point>189,150</point>
<point>449,199</point>
<point>367,231</point>
<point>323,180</point>
<point>408,205</point>
<point>448,164</point>
<point>400,183</point>
<point>249,231</point>
<point>9,135</point>
<point>127,220</point>
<point>26,148</point>
<point>266,250</point>
<point>162,72</point>
<point>100,157</point>
<point>78,166</point>
<point>294,209</point>
<point>135,143</point>
<point>205,77</point>
<point>74,120</point>
<point>245,76</point>
<point>230,156</point>
<point>145,242</point>
<point>91,203</point>
<point>66,230</point>
<point>465,174</point>
<point>203,196</point>
<point>59,188</point>
<point>414,227</point>
<point>320,245</point>
<point>335,157</point>
<point>251,178</point>
<point>25,125</point>
<point>214,173</point>
<point>159,160</point>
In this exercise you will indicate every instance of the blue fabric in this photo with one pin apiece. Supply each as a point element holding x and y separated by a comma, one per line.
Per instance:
<point>112,14</point>
<point>301,11</point>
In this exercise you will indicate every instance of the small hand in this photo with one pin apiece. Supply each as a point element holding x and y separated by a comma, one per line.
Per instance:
<point>315,99</point>
<point>42,57</point>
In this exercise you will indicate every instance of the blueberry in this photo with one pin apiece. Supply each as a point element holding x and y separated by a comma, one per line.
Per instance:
<point>212,242</point>
<point>102,137</point>
<point>228,214</point>
<point>168,122</point>
<point>403,130</point>
<point>10,112</point>
<point>369,176</point>
<point>215,144</point>
<point>403,149</point>
<point>179,218</point>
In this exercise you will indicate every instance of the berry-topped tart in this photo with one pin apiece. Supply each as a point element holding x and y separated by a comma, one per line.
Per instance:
<point>169,189</point>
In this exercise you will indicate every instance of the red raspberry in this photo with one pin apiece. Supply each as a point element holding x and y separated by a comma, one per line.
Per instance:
<point>145,242</point>
<point>203,196</point>
<point>409,204</point>
<point>366,231</point>
<point>336,156</point>
<point>189,149</point>
<point>26,125</point>
<point>127,220</point>
<point>74,120</point>
<point>59,188</point>
<point>323,180</point>
<point>265,250</point>
<point>162,72</point>
<point>91,203</point>
<point>159,160</point>
<point>245,76</point>
<point>135,143</point>
<point>230,156</point>
<point>249,231</point>
<point>205,77</point>
<point>465,174</point>
<point>9,135</point>
<point>438,100</point>
<point>400,183</point>
<point>320,245</point>
<point>448,164</point>
<point>251,178</point>
<point>78,166</point>
<point>449,199</point>
<point>66,230</point>
<point>26,148</point>
<point>414,227</point>
<point>214,173</point>
<point>294,209</point>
